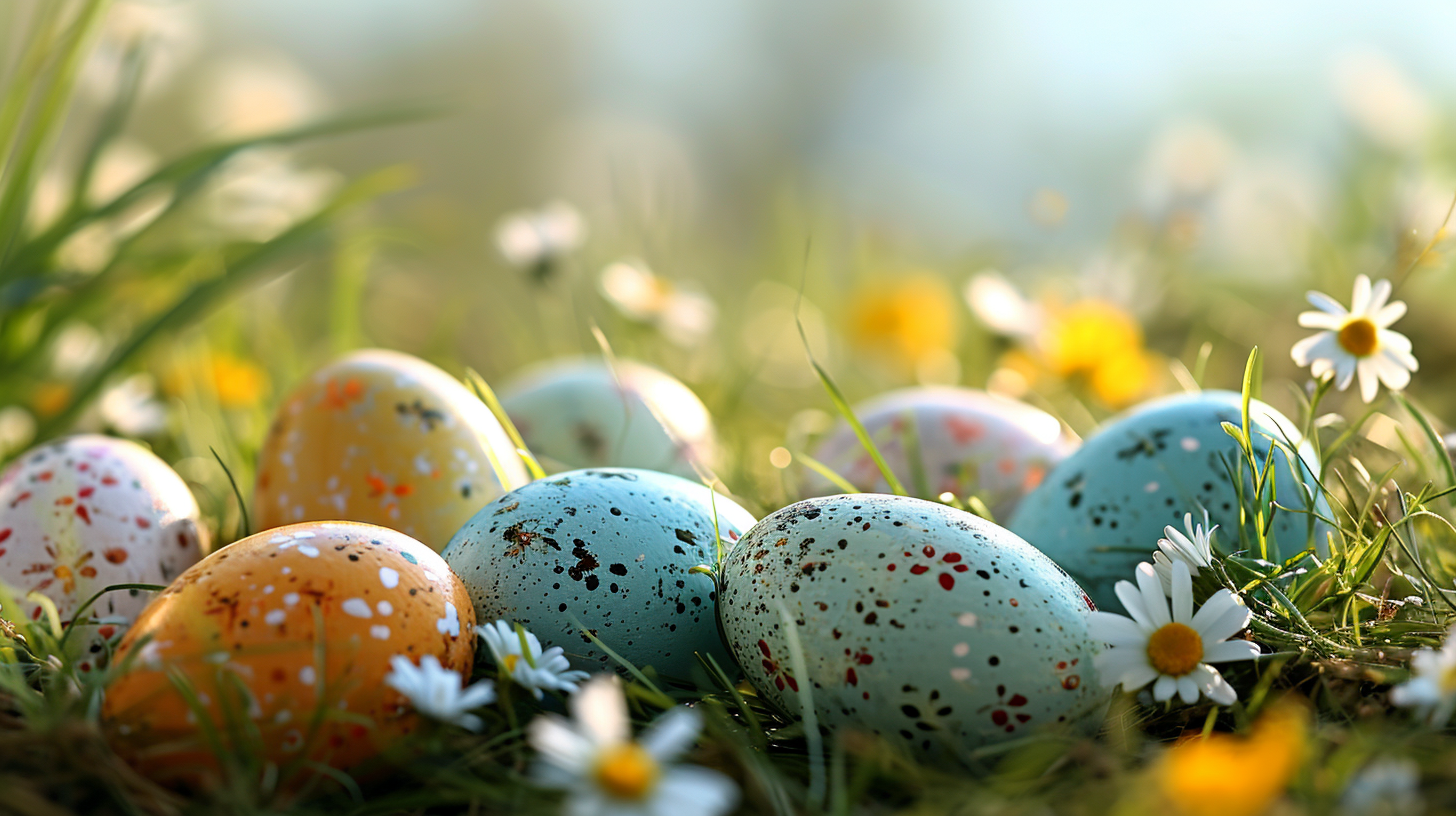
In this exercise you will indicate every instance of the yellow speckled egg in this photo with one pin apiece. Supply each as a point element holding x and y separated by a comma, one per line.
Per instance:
<point>290,630</point>
<point>86,512</point>
<point>385,438</point>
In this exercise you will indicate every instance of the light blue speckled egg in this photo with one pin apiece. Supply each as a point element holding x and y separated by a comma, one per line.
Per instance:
<point>577,413</point>
<point>966,442</point>
<point>1103,509</point>
<point>612,547</point>
<point>917,621</point>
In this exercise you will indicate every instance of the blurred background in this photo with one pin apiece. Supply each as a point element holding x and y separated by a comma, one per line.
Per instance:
<point>1081,206</point>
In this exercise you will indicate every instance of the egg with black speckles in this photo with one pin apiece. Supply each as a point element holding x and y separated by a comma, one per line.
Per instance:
<point>919,622</point>
<point>384,438</point>
<point>612,548</point>
<point>1103,509</point>
<point>278,629</point>
<point>580,413</point>
<point>947,440</point>
<point>86,512</point>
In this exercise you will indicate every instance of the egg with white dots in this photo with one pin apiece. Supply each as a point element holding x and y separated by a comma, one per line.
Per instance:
<point>1103,509</point>
<point>86,512</point>
<point>580,413</point>
<point>612,549</point>
<point>915,621</point>
<point>947,440</point>
<point>384,438</point>
<point>277,628</point>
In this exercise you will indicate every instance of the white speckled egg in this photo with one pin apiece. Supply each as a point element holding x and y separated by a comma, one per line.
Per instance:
<point>576,413</point>
<point>1103,509</point>
<point>917,621</point>
<point>384,438</point>
<point>86,512</point>
<point>967,442</point>
<point>612,547</point>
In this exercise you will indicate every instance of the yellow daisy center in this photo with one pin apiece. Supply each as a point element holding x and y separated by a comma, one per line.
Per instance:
<point>627,771</point>
<point>1175,649</point>
<point>1359,337</point>
<point>511,661</point>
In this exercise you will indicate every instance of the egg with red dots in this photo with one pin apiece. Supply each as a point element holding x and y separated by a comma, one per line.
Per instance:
<point>947,440</point>
<point>86,512</point>
<point>912,620</point>
<point>613,550</point>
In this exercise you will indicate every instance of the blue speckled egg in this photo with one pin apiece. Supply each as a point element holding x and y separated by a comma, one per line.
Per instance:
<point>578,413</point>
<point>1103,509</point>
<point>612,547</point>
<point>917,621</point>
<point>967,443</point>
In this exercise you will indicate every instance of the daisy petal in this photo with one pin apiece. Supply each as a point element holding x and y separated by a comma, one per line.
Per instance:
<point>560,744</point>
<point>1389,314</point>
<point>1152,590</point>
<point>1321,320</point>
<point>1369,380</point>
<point>602,710</point>
<point>1132,601</point>
<point>1313,347</point>
<point>1164,689</point>
<point>694,790</point>
<point>1230,650</point>
<point>1220,618</point>
<point>1325,303</point>
<point>1378,295</point>
<point>673,734</point>
<point>1360,302</point>
<point>1189,688</point>
<point>1115,629</point>
<point>1182,593</point>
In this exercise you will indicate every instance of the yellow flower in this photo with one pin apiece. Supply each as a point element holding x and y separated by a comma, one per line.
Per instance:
<point>1102,344</point>
<point>1228,775</point>
<point>236,382</point>
<point>50,398</point>
<point>903,318</point>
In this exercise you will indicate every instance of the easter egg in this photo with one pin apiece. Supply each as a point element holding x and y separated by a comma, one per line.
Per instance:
<point>611,548</point>
<point>290,630</point>
<point>1103,509</point>
<point>914,620</point>
<point>86,512</point>
<point>384,438</point>
<point>947,440</point>
<point>578,413</point>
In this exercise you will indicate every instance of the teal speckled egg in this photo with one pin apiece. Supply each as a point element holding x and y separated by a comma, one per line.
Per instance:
<point>916,621</point>
<point>580,413</point>
<point>1103,509</point>
<point>611,547</point>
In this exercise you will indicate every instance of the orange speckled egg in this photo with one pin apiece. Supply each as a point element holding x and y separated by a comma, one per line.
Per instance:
<point>281,630</point>
<point>86,512</point>
<point>386,438</point>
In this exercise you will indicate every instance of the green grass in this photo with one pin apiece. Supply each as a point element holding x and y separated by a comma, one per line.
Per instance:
<point>1337,633</point>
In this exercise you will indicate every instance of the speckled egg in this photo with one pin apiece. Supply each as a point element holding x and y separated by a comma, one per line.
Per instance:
<point>576,414</point>
<point>388,439</point>
<point>281,627</point>
<point>966,442</point>
<point>86,512</point>
<point>1103,509</point>
<point>917,621</point>
<point>611,547</point>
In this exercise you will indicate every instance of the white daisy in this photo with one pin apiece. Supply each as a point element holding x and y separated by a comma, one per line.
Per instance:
<point>1171,650</point>
<point>607,773</point>
<point>518,654</point>
<point>1432,687</point>
<point>1385,786</point>
<point>1193,547</point>
<point>533,238</point>
<point>435,691</point>
<point>1358,340</point>
<point>683,315</point>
